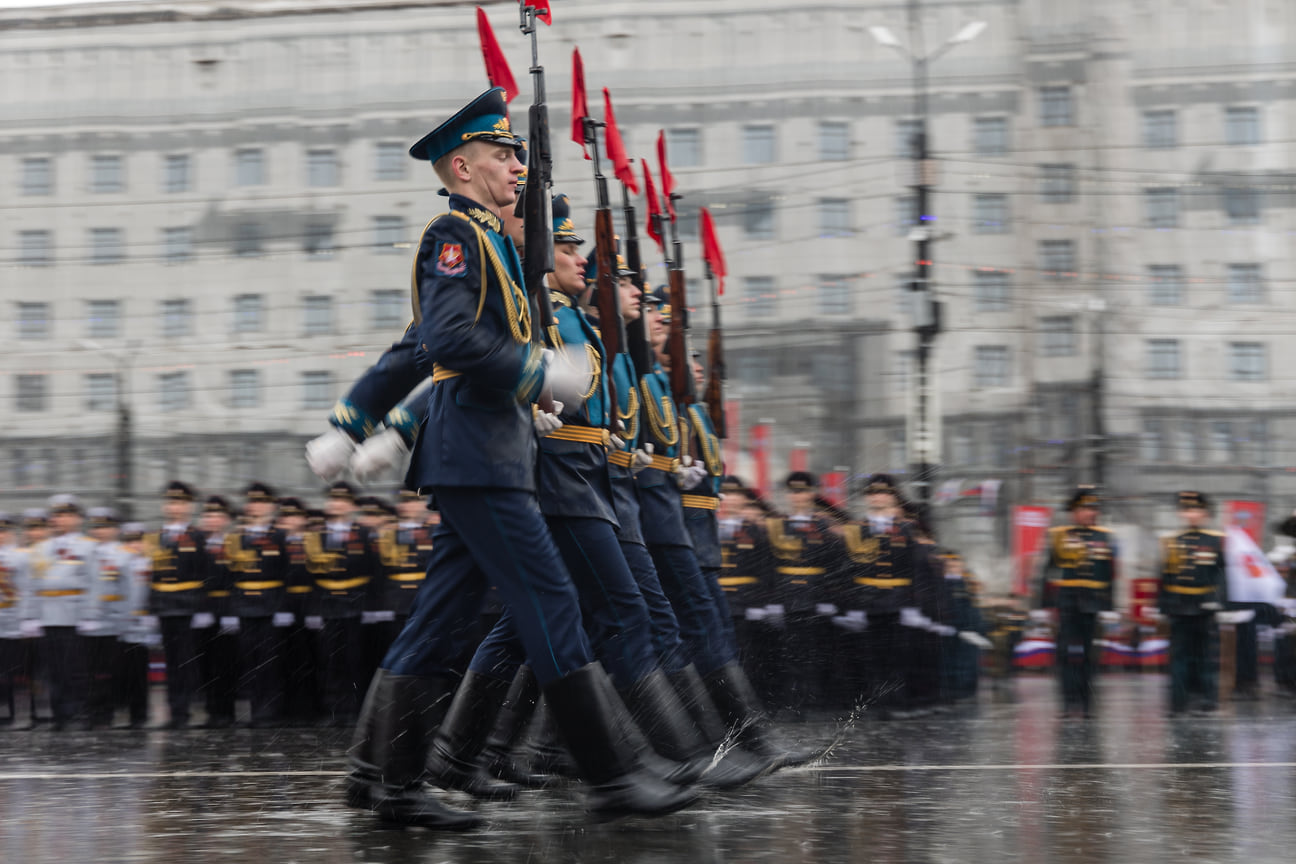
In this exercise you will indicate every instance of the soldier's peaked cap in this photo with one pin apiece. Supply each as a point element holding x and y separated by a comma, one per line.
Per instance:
<point>564,229</point>
<point>178,490</point>
<point>1188,500</point>
<point>217,504</point>
<point>291,507</point>
<point>101,516</point>
<point>801,481</point>
<point>342,489</point>
<point>259,492</point>
<point>1084,496</point>
<point>65,503</point>
<point>880,483</point>
<point>483,119</point>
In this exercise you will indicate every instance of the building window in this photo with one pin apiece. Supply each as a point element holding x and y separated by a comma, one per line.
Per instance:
<point>389,233</point>
<point>33,320</point>
<point>105,245</point>
<point>897,449</point>
<point>1152,443</point>
<point>1055,106</point>
<point>1057,184</point>
<point>1245,284</point>
<point>104,319</point>
<point>1057,259</point>
<point>990,214</point>
<point>249,167</point>
<point>29,395</point>
<point>834,217</point>
<point>684,147</point>
<point>1163,358</point>
<point>321,168</point>
<point>906,214</point>
<point>834,295</point>
<point>1242,205</point>
<point>1222,445</point>
<point>173,391</point>
<point>177,319</point>
<point>1258,441</point>
<point>1165,285</point>
<point>1058,336</point>
<point>245,388</point>
<point>318,242</point>
<point>317,390</point>
<point>1162,206</point>
<point>834,141</point>
<point>758,294</point>
<point>247,239</point>
<point>1247,361</point>
<point>101,391</point>
<point>34,248</point>
<point>37,176</point>
<point>1242,126</point>
<point>993,292</point>
<point>758,145</point>
<point>175,173</point>
<point>105,174</point>
<point>1160,130</point>
<point>249,310</point>
<point>990,136</point>
<point>755,370</point>
<point>990,366</point>
<point>390,308</point>
<point>177,244</point>
<point>1186,442</point>
<point>758,220</point>
<point>389,160</point>
<point>318,315</point>
<point>906,140</point>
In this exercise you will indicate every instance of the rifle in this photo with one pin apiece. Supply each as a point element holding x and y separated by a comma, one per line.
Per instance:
<point>609,295</point>
<point>683,389</point>
<point>536,204</point>
<point>637,331</point>
<point>714,397</point>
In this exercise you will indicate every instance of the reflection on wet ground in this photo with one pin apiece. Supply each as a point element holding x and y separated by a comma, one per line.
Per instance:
<point>1004,780</point>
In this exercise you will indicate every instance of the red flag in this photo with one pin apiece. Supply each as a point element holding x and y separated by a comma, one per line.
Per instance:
<point>654,207</point>
<point>711,253</point>
<point>580,107</point>
<point>542,10</point>
<point>616,148</point>
<point>668,182</point>
<point>497,68</point>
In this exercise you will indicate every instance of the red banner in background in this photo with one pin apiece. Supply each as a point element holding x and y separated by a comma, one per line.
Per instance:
<point>798,458</point>
<point>833,487</point>
<point>1247,515</point>
<point>1029,529</point>
<point>760,455</point>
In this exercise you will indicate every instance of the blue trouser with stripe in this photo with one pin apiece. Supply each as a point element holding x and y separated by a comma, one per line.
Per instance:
<point>699,611</point>
<point>616,618</point>
<point>492,537</point>
<point>667,643</point>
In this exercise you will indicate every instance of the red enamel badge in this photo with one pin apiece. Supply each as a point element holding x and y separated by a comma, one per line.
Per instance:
<point>451,260</point>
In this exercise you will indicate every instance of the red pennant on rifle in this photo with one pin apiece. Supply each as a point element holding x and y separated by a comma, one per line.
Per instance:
<point>542,10</point>
<point>497,68</point>
<point>668,182</point>
<point>711,253</point>
<point>654,207</point>
<point>580,107</point>
<point>616,147</point>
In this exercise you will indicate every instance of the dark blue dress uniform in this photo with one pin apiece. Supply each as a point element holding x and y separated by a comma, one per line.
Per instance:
<point>700,504</point>
<point>179,592</point>
<point>1193,587</point>
<point>342,561</point>
<point>1079,574</point>
<point>219,661</point>
<point>404,550</point>
<point>257,560</point>
<point>301,687</point>
<point>745,576</point>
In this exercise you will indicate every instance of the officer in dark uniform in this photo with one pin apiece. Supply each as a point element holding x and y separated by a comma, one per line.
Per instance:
<point>257,560</point>
<point>377,617</point>
<point>1193,587</point>
<point>218,641</point>
<point>1079,580</point>
<point>405,549</point>
<point>933,620</point>
<point>179,592</point>
<point>746,573</point>
<point>302,698</point>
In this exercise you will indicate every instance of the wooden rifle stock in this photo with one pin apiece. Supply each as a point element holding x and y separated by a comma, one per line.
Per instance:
<point>538,224</point>
<point>611,326</point>
<point>715,382</point>
<point>681,371</point>
<point>636,331</point>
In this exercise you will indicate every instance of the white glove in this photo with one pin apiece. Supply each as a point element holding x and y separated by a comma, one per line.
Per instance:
<point>202,620</point>
<point>1154,615</point>
<point>1236,616</point>
<point>825,609</point>
<point>151,623</point>
<point>378,454</point>
<point>567,374</point>
<point>1040,616</point>
<point>1109,617</point>
<point>377,617</point>
<point>283,619</point>
<point>30,629</point>
<point>329,454</point>
<point>943,630</point>
<point>910,617</point>
<point>1211,606</point>
<point>314,622</point>
<point>643,457</point>
<point>89,628</point>
<point>774,614</point>
<point>849,623</point>
<point>618,443</point>
<point>229,624</point>
<point>546,422</point>
<point>756,613</point>
<point>689,473</point>
<point>974,638</point>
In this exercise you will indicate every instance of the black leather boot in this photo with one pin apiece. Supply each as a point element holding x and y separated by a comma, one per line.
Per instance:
<point>740,707</point>
<point>583,709</point>
<point>685,763</point>
<point>545,748</point>
<point>400,714</point>
<point>735,765</point>
<point>454,761</point>
<point>514,715</point>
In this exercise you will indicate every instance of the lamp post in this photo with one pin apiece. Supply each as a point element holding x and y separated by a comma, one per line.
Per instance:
<point>926,310</point>
<point>123,476</point>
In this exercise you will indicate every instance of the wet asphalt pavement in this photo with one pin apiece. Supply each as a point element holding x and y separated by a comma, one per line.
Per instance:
<point>1003,780</point>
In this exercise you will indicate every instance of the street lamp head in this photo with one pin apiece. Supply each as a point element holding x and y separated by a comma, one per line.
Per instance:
<point>884,37</point>
<point>969,32</point>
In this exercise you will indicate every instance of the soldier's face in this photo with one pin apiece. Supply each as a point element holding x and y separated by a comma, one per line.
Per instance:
<point>569,269</point>
<point>656,327</point>
<point>513,228</point>
<point>292,524</point>
<point>35,534</point>
<point>801,500</point>
<point>104,533</point>
<point>338,508</point>
<point>697,375</point>
<point>881,504</point>
<point>174,510</point>
<point>214,522</point>
<point>66,522</point>
<point>1193,517</point>
<point>630,295</point>
<point>492,171</point>
<point>1085,516</point>
<point>410,511</point>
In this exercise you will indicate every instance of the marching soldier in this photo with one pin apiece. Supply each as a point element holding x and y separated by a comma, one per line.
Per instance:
<point>1079,580</point>
<point>405,549</point>
<point>745,574</point>
<point>1194,586</point>
<point>219,646</point>
<point>138,634</point>
<point>179,592</point>
<point>13,588</point>
<point>377,617</point>
<point>257,559</point>
<point>300,685</point>
<point>105,622</point>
